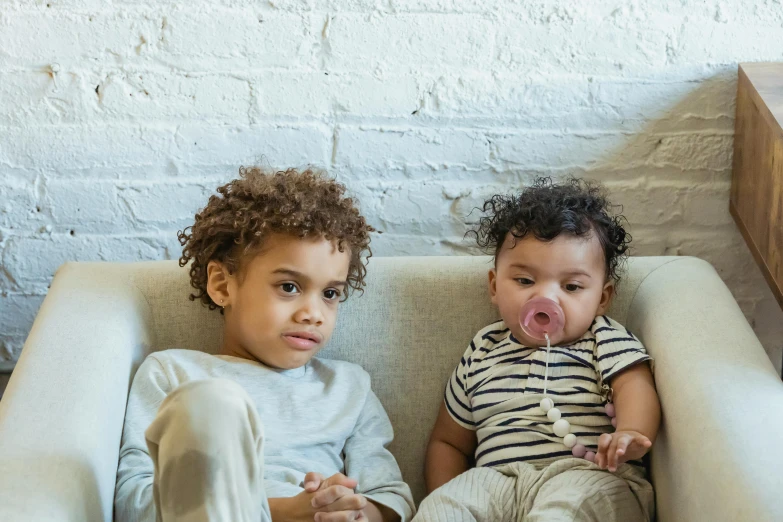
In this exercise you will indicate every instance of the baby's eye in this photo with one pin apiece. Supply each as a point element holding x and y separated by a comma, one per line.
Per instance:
<point>524,281</point>
<point>288,288</point>
<point>571,287</point>
<point>331,294</point>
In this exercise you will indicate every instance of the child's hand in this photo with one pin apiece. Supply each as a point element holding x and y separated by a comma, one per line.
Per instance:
<point>334,499</point>
<point>619,447</point>
<point>314,481</point>
<point>302,508</point>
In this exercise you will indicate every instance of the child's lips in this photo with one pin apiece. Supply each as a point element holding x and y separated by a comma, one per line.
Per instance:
<point>303,340</point>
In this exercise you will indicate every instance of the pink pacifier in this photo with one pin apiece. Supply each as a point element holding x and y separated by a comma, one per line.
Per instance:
<point>540,317</point>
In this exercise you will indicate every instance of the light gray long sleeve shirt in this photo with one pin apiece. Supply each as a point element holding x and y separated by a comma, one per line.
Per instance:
<point>322,417</point>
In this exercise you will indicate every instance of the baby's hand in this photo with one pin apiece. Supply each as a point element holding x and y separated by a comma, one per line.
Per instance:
<point>334,498</point>
<point>620,447</point>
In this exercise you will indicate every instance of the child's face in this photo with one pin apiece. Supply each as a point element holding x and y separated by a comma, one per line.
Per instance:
<point>282,309</point>
<point>569,270</point>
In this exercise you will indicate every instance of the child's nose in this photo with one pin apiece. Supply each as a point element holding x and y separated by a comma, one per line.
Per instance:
<point>308,317</point>
<point>309,313</point>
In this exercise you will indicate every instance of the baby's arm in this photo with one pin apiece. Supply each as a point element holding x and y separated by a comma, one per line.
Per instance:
<point>638,418</point>
<point>449,452</point>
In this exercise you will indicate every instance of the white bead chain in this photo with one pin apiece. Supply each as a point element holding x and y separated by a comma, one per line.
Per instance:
<point>561,427</point>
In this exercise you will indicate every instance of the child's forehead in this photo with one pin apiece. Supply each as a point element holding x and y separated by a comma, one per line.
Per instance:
<point>312,256</point>
<point>566,252</point>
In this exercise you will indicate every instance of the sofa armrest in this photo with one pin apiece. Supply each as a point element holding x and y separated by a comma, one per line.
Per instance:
<point>62,414</point>
<point>719,454</point>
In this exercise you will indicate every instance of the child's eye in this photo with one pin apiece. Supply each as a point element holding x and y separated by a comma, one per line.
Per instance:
<point>288,288</point>
<point>571,287</point>
<point>331,294</point>
<point>524,281</point>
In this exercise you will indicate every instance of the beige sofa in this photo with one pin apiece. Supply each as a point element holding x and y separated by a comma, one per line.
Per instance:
<point>719,455</point>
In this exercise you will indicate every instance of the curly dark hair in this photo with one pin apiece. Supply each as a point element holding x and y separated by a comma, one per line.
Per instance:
<point>238,219</point>
<point>546,210</point>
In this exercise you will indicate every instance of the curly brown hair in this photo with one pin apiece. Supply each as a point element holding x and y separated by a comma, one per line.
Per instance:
<point>545,209</point>
<point>238,219</point>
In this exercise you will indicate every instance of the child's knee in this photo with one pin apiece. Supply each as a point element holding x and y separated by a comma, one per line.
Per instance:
<point>210,394</point>
<point>198,408</point>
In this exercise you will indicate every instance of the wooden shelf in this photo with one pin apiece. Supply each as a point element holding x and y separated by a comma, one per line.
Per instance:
<point>757,180</point>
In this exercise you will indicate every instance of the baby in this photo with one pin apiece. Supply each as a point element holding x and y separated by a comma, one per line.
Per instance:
<point>537,422</point>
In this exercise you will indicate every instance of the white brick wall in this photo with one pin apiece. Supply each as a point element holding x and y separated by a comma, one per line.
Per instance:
<point>424,107</point>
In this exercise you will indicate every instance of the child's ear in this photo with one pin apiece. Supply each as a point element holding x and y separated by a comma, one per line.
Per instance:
<point>607,294</point>
<point>217,283</point>
<point>493,285</point>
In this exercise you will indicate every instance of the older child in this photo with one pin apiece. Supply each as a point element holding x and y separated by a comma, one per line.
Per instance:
<point>249,434</point>
<point>534,420</point>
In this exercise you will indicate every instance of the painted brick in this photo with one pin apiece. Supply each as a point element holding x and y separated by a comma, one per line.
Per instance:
<point>363,42</point>
<point>401,208</point>
<point>19,207</point>
<point>693,151</point>
<point>155,206</point>
<point>278,145</point>
<point>33,97</point>
<point>572,47</point>
<point>708,207</point>
<point>84,146</point>
<point>423,107</point>
<point>653,204</point>
<point>387,146</point>
<point>547,150</point>
<point>143,97</point>
<point>722,43</point>
<point>218,38</point>
<point>532,101</point>
<point>83,207</point>
<point>34,260</point>
<point>16,312</point>
<point>48,36</point>
<point>309,95</point>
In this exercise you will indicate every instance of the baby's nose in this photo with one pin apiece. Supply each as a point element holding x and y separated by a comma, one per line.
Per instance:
<point>549,293</point>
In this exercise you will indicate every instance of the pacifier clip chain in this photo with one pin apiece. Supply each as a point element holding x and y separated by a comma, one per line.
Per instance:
<point>538,318</point>
<point>561,427</point>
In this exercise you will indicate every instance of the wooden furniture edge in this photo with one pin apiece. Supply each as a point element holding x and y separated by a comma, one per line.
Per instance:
<point>758,101</point>
<point>776,290</point>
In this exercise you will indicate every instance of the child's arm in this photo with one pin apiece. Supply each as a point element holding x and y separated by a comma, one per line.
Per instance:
<point>449,452</point>
<point>638,418</point>
<point>368,460</point>
<point>133,499</point>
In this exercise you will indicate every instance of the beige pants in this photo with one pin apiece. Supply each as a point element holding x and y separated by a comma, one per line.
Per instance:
<point>568,490</point>
<point>207,446</point>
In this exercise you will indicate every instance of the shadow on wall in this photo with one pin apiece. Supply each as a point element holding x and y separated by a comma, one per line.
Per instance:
<point>3,383</point>
<point>668,165</point>
<point>673,178</point>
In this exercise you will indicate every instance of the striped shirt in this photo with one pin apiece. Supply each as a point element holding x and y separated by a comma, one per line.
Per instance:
<point>498,385</point>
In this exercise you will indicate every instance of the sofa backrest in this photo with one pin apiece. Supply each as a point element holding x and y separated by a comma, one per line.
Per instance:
<point>408,330</point>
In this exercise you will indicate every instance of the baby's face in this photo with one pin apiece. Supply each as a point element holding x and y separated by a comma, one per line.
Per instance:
<point>282,309</point>
<point>569,270</point>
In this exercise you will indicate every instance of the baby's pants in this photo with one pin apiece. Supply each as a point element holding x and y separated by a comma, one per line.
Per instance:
<point>207,446</point>
<point>567,490</point>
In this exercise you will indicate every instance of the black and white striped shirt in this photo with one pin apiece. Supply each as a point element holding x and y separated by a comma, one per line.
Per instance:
<point>498,385</point>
